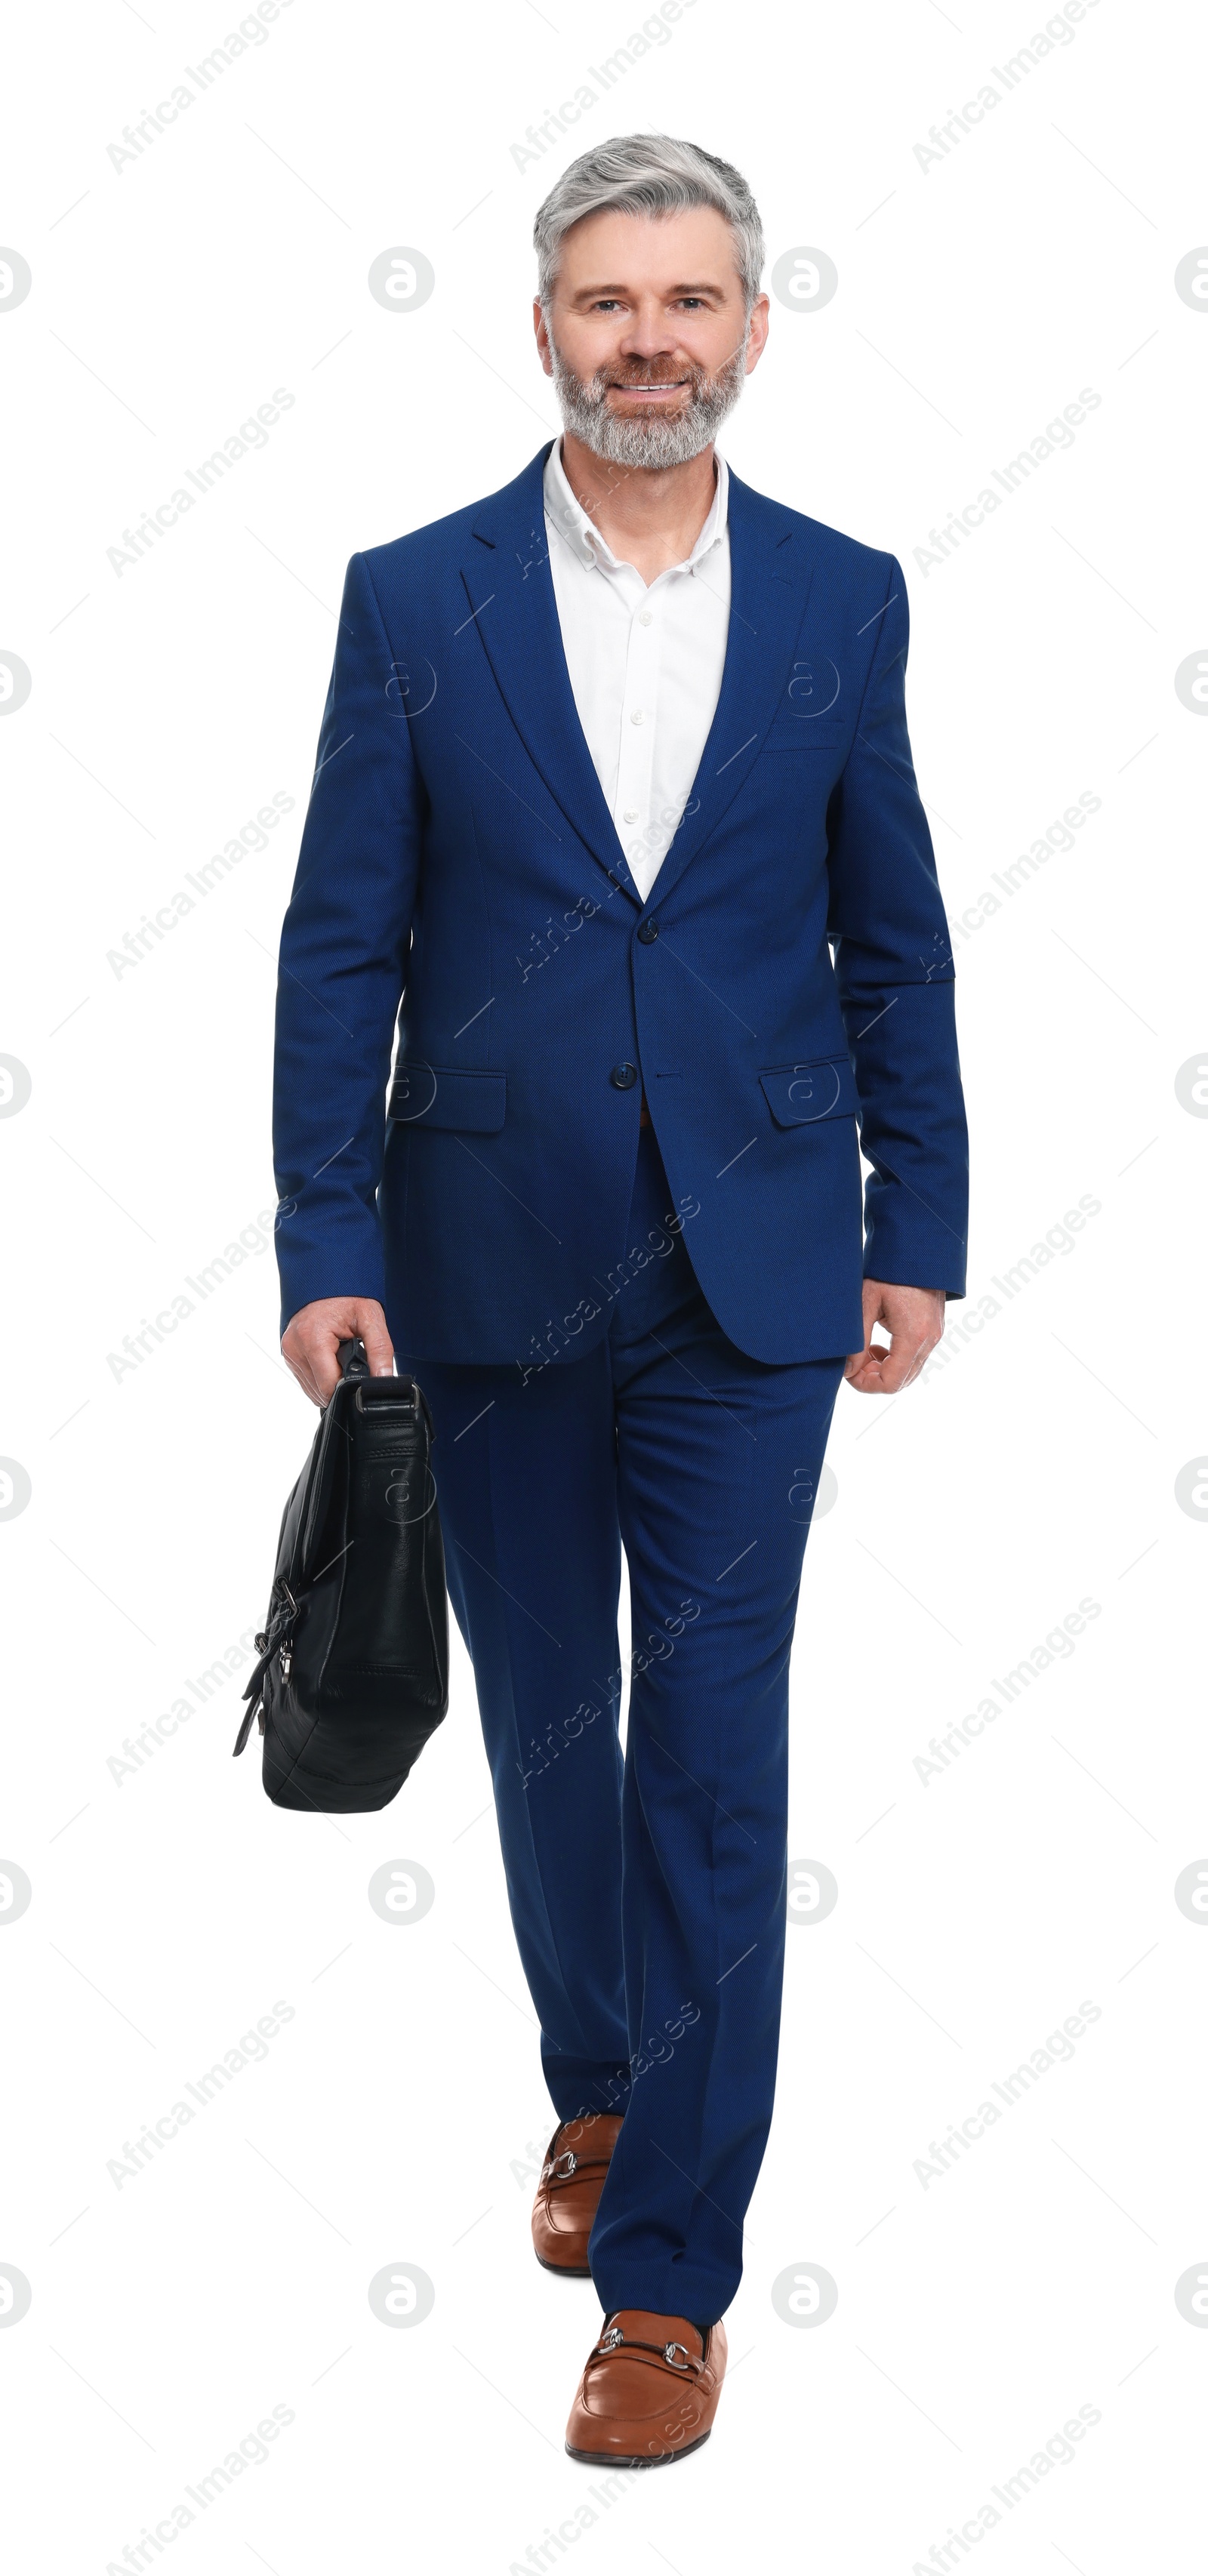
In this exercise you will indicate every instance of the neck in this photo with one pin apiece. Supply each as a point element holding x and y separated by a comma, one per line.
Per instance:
<point>649,517</point>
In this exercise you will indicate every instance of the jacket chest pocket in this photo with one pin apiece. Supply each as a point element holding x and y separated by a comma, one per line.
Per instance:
<point>805,733</point>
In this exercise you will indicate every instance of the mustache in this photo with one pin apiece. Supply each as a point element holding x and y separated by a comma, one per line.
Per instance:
<point>695,378</point>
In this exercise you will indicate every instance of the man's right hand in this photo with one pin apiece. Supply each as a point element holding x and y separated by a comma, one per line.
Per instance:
<point>313,1336</point>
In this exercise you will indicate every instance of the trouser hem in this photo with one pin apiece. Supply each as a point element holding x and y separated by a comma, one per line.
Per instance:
<point>580,2097</point>
<point>663,2294</point>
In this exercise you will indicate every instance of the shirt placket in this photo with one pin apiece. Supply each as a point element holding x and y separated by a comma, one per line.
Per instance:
<point>639,714</point>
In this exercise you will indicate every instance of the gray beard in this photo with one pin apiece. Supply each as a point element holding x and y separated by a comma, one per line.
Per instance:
<point>652,443</point>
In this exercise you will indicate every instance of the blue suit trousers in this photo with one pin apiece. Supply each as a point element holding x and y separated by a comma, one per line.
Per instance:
<point>647,1890</point>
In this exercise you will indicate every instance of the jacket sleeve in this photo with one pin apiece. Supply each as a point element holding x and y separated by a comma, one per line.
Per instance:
<point>344,945</point>
<point>893,965</point>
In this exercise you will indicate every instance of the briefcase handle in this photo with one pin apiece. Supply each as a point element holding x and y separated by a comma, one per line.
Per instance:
<point>404,1391</point>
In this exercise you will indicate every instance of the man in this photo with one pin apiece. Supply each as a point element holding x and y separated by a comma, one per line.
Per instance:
<point>610,762</point>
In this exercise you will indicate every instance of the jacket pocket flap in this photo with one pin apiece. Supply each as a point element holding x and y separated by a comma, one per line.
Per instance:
<point>799,1095</point>
<point>431,1095</point>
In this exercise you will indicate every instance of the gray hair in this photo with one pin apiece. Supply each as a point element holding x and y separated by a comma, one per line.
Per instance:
<point>648,174</point>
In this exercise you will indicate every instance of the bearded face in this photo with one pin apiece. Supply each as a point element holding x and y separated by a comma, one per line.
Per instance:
<point>631,435</point>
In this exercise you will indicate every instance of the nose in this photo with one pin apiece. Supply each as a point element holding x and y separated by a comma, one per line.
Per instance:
<point>649,334</point>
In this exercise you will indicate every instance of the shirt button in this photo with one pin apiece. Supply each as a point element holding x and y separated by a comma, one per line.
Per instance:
<point>630,814</point>
<point>623,1076</point>
<point>646,617</point>
<point>647,930</point>
<point>637,716</point>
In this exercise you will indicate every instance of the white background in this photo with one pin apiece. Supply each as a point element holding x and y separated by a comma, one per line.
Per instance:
<point>172,1906</point>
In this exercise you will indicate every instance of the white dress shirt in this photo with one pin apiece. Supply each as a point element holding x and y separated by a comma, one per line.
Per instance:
<point>645,663</point>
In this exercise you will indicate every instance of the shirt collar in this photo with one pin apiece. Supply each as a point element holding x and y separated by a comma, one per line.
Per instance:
<point>584,538</point>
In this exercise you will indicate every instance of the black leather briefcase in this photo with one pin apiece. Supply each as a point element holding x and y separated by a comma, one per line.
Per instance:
<point>353,1675</point>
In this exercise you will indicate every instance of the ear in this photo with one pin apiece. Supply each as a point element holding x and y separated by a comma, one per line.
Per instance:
<point>757,330</point>
<point>542,336</point>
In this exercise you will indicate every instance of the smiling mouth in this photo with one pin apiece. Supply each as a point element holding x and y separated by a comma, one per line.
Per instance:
<point>673,388</point>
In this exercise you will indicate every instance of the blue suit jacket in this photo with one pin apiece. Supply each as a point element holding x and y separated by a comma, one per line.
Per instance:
<point>459,858</point>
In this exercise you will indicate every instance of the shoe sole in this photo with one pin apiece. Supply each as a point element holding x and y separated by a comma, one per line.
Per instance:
<point>615,2460</point>
<point>569,2271</point>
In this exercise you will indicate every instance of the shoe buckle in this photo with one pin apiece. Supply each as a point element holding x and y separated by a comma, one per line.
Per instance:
<point>609,2341</point>
<point>563,2166</point>
<point>669,2352</point>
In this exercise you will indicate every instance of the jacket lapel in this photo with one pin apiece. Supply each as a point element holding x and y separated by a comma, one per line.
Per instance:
<point>511,592</point>
<point>513,611</point>
<point>770,576</point>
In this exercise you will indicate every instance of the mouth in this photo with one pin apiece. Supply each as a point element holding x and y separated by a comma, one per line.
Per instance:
<point>652,393</point>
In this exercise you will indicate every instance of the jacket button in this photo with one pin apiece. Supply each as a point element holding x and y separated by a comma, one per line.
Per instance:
<point>647,930</point>
<point>623,1076</point>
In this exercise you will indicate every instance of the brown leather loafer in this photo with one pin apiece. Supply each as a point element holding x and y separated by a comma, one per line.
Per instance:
<point>649,2392</point>
<point>568,2194</point>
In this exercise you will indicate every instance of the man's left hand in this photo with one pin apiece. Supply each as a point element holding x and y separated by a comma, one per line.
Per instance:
<point>914,1320</point>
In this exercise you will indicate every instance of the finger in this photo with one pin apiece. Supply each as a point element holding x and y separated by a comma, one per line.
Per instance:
<point>379,1349</point>
<point>905,1355</point>
<point>931,1344</point>
<point>299,1367</point>
<point>883,1364</point>
<point>322,1346</point>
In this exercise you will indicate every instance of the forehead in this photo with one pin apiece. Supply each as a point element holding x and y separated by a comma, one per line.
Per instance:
<point>695,246</point>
